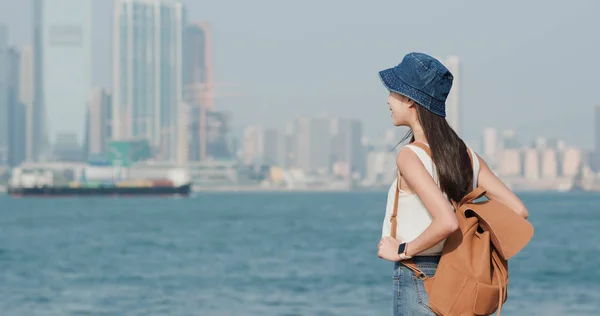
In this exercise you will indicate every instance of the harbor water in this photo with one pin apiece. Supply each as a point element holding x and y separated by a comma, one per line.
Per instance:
<point>258,254</point>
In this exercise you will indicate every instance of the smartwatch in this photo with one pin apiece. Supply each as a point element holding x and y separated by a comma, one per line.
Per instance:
<point>402,252</point>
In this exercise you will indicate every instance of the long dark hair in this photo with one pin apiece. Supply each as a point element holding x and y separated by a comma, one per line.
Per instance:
<point>448,152</point>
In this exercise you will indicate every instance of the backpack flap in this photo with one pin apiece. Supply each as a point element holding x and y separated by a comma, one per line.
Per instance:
<point>509,232</point>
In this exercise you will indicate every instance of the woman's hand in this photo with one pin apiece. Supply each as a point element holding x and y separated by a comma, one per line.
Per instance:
<point>388,249</point>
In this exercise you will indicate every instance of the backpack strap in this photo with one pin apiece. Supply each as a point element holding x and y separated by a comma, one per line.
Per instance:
<point>502,274</point>
<point>473,195</point>
<point>393,219</point>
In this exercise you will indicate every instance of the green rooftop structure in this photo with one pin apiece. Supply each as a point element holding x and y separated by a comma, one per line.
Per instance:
<point>126,153</point>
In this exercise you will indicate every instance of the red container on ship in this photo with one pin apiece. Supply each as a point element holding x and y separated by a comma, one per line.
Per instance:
<point>161,183</point>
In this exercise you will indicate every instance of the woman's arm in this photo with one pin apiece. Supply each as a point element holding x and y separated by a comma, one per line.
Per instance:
<point>498,191</point>
<point>444,221</point>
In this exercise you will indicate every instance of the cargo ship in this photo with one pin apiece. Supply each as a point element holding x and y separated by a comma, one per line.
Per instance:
<point>101,181</point>
<point>119,189</point>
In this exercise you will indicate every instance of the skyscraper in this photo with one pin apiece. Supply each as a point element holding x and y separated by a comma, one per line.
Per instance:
<point>16,112</point>
<point>274,147</point>
<point>346,144</point>
<point>4,102</point>
<point>253,145</point>
<point>99,122</point>
<point>198,75</point>
<point>198,82</point>
<point>218,127</point>
<point>26,97</point>
<point>39,138</point>
<point>67,148</point>
<point>312,141</point>
<point>596,156</point>
<point>453,101</point>
<point>62,53</point>
<point>263,146</point>
<point>490,146</point>
<point>148,75</point>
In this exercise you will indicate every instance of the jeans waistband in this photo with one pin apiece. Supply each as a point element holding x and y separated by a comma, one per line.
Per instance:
<point>426,259</point>
<point>419,260</point>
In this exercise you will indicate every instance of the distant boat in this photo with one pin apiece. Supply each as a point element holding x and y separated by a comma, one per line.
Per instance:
<point>96,180</point>
<point>102,190</point>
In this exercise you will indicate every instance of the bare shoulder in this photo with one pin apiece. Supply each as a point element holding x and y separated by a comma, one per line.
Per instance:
<point>407,159</point>
<point>482,162</point>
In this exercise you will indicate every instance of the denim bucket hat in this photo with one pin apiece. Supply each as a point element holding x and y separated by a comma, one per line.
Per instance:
<point>422,79</point>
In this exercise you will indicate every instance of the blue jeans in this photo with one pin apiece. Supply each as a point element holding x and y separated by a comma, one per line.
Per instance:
<point>410,298</point>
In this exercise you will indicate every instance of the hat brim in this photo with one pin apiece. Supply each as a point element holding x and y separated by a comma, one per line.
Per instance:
<point>393,83</point>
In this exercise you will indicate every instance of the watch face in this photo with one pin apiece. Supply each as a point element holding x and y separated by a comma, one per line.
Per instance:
<point>401,248</point>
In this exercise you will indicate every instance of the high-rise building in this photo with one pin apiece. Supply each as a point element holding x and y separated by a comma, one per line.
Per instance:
<point>490,146</point>
<point>198,75</point>
<point>4,102</point>
<point>509,140</point>
<point>532,165</point>
<point>263,146</point>
<point>549,163</point>
<point>253,145</point>
<point>67,148</point>
<point>346,144</point>
<point>289,145</point>
<point>571,162</point>
<point>596,156</point>
<point>313,144</point>
<point>302,143</point>
<point>198,81</point>
<point>218,127</point>
<point>218,144</point>
<point>63,55</point>
<point>99,130</point>
<point>511,163</point>
<point>16,112</point>
<point>40,141</point>
<point>381,168</point>
<point>26,97</point>
<point>148,75</point>
<point>453,111</point>
<point>274,147</point>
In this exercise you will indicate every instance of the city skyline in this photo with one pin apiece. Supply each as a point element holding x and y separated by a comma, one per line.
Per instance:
<point>509,72</point>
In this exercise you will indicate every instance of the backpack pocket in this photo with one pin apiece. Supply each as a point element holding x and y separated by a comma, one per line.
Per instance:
<point>451,292</point>
<point>486,299</point>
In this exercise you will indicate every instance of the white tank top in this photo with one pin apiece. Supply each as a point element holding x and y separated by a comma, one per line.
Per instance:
<point>412,217</point>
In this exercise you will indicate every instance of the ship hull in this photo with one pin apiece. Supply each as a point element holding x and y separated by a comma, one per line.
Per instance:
<point>183,190</point>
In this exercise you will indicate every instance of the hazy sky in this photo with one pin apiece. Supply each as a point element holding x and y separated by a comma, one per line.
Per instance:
<point>532,66</point>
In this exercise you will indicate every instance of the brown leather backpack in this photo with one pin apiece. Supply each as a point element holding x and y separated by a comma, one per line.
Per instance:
<point>472,275</point>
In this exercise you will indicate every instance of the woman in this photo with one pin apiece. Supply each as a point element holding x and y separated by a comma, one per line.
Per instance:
<point>418,88</point>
